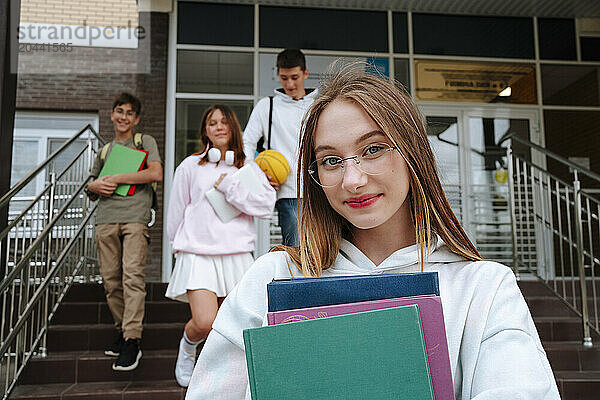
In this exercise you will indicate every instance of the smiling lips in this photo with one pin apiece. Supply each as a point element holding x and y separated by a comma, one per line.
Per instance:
<point>363,201</point>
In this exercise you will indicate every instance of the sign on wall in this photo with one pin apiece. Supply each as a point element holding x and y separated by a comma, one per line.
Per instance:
<point>475,82</point>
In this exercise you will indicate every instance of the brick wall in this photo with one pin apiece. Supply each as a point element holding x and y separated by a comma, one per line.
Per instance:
<point>74,12</point>
<point>95,92</point>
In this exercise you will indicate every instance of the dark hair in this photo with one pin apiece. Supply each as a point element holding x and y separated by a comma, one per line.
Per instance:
<point>290,58</point>
<point>128,98</point>
<point>236,144</point>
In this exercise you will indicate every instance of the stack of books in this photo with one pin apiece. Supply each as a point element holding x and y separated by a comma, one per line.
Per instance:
<point>225,211</point>
<point>123,160</point>
<point>351,337</point>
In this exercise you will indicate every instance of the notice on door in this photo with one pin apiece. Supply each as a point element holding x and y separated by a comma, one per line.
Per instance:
<point>475,82</point>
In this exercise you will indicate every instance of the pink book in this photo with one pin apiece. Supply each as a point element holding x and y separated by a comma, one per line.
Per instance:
<point>432,320</point>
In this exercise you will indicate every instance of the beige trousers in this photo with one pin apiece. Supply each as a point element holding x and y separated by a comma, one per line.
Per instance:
<point>122,250</point>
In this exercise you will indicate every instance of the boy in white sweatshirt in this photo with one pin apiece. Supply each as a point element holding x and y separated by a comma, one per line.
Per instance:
<point>290,104</point>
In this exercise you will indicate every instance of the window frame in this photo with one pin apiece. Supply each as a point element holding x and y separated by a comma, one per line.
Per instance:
<point>173,96</point>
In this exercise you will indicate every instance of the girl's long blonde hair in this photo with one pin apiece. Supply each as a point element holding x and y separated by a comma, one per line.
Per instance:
<point>321,227</point>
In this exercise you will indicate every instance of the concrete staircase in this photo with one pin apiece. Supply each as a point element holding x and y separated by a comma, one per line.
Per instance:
<point>76,367</point>
<point>576,368</point>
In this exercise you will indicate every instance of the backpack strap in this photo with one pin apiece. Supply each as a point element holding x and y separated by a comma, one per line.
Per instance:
<point>104,151</point>
<point>139,144</point>
<point>138,141</point>
<point>270,122</point>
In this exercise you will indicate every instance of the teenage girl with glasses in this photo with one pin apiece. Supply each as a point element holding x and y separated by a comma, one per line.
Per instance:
<point>373,203</point>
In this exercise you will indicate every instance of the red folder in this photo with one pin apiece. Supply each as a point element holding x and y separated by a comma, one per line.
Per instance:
<point>131,190</point>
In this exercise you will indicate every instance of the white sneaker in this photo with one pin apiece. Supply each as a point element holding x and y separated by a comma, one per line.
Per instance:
<point>184,366</point>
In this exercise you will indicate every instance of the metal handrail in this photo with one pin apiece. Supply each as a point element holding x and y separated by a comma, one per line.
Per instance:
<point>39,241</point>
<point>39,196</point>
<point>5,199</point>
<point>31,204</point>
<point>39,291</point>
<point>46,248</point>
<point>548,197</point>
<point>546,152</point>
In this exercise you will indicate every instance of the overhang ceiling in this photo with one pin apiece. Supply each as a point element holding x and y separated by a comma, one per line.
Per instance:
<point>524,8</point>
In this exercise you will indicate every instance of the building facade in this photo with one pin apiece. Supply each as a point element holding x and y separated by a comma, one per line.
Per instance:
<point>479,72</point>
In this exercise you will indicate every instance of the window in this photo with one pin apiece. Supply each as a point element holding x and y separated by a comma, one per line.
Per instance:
<point>36,136</point>
<point>214,72</point>
<point>571,85</point>
<point>401,72</point>
<point>68,155</point>
<point>317,69</point>
<point>189,117</point>
<point>400,24</point>
<point>323,29</point>
<point>24,160</point>
<point>473,36</point>
<point>215,24</point>
<point>590,48</point>
<point>573,134</point>
<point>442,133</point>
<point>557,39</point>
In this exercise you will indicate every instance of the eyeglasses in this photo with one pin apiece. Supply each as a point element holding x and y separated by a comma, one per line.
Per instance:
<point>373,159</point>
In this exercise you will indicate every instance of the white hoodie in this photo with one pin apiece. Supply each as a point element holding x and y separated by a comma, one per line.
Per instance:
<point>285,131</point>
<point>495,351</point>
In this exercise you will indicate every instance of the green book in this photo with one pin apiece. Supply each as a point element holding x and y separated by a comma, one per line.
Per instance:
<point>368,355</point>
<point>123,160</point>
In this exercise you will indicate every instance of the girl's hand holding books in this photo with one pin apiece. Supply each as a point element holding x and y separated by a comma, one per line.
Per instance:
<point>218,182</point>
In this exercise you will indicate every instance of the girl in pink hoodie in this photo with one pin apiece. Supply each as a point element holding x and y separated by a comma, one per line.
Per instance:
<point>211,255</point>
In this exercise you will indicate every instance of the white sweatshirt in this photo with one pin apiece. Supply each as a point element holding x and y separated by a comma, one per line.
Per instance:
<point>495,351</point>
<point>285,131</point>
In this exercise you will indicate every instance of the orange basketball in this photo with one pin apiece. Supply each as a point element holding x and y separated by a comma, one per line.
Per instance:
<point>274,164</point>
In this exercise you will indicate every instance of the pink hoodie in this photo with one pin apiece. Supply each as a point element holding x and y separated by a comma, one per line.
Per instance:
<point>192,224</point>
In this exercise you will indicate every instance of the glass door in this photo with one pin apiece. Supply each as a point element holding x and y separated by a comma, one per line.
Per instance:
<point>470,150</point>
<point>442,132</point>
<point>487,192</point>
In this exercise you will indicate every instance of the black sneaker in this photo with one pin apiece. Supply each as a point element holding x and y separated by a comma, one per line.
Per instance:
<point>114,348</point>
<point>129,357</point>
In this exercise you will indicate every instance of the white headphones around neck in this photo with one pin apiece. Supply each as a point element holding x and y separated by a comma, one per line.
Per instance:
<point>214,155</point>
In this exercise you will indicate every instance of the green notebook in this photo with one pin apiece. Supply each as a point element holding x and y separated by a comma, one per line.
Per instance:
<point>368,355</point>
<point>123,160</point>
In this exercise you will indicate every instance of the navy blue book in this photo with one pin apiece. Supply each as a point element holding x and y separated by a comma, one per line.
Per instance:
<point>292,293</point>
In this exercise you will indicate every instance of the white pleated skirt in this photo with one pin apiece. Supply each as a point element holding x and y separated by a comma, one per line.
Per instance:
<point>219,274</point>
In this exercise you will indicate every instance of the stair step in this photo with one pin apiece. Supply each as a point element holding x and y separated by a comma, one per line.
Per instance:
<point>543,306</point>
<point>574,385</point>
<point>94,366</point>
<point>77,368</point>
<point>98,313</point>
<point>568,285</point>
<point>156,336</point>
<point>573,356</point>
<point>534,288</point>
<point>140,390</point>
<point>94,292</point>
<point>562,329</point>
